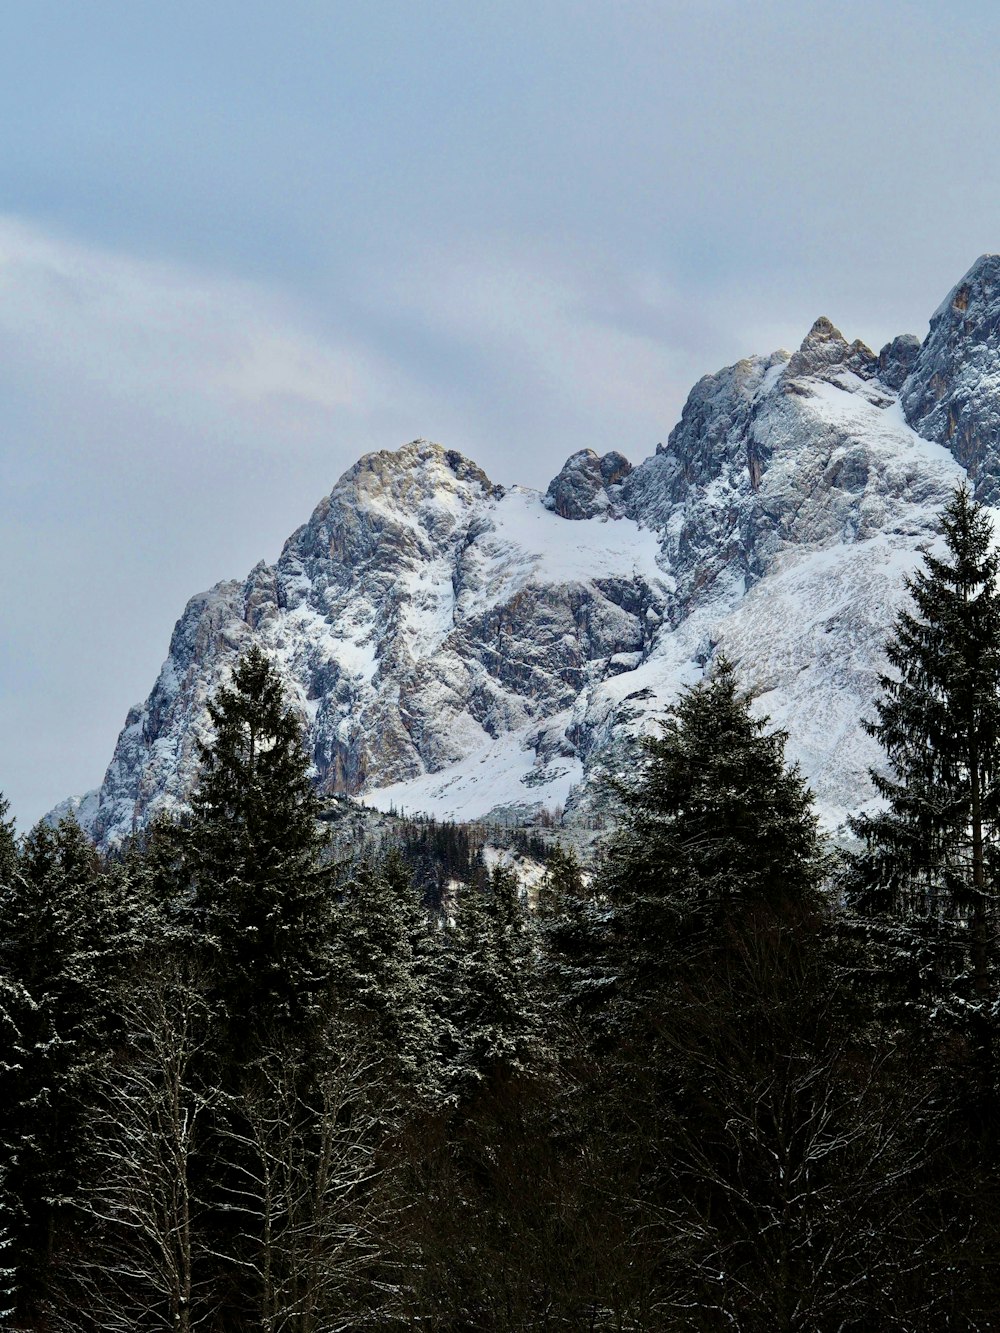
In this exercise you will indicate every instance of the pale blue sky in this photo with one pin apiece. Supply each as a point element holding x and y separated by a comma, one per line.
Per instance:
<point>243,243</point>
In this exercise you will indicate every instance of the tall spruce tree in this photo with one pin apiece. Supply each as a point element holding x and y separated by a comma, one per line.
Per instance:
<point>261,898</point>
<point>387,970</point>
<point>259,906</point>
<point>8,843</point>
<point>13,1005</point>
<point>932,856</point>
<point>65,941</point>
<point>715,824</point>
<point>492,1004</point>
<point>723,1092</point>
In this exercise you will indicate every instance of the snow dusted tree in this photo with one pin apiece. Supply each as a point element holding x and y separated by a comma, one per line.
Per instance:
<point>64,942</point>
<point>262,899</point>
<point>745,1128</point>
<point>303,1189</point>
<point>714,828</point>
<point>142,1260</point>
<point>492,1000</point>
<point>387,969</point>
<point>714,823</point>
<point>15,1005</point>
<point>573,925</point>
<point>931,862</point>
<point>8,844</point>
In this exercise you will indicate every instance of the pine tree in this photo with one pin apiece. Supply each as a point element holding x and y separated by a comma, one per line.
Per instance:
<point>573,926</point>
<point>13,1005</point>
<point>727,1094</point>
<point>8,844</point>
<point>714,825</point>
<point>493,1002</point>
<point>65,941</point>
<point>257,901</point>
<point>261,893</point>
<point>932,856</point>
<point>387,969</point>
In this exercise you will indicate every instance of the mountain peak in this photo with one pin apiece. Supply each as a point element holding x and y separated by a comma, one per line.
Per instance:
<point>440,467</point>
<point>823,330</point>
<point>460,649</point>
<point>976,294</point>
<point>825,347</point>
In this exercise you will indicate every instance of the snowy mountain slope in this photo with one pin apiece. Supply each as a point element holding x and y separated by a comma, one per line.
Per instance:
<point>460,649</point>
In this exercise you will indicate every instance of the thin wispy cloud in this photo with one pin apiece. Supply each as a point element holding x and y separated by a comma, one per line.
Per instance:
<point>133,331</point>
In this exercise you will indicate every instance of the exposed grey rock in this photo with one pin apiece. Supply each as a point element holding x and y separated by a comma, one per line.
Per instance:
<point>897,359</point>
<point>409,621</point>
<point>457,648</point>
<point>952,394</point>
<point>825,348</point>
<point>584,485</point>
<point>691,489</point>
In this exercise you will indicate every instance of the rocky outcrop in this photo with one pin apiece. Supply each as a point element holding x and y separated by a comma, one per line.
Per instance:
<point>825,349</point>
<point>952,394</point>
<point>586,485</point>
<point>897,359</point>
<point>457,648</point>
<point>416,618</point>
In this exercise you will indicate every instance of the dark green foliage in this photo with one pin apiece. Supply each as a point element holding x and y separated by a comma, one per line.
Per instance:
<point>715,826</point>
<point>8,844</point>
<point>242,1086</point>
<point>922,892</point>
<point>932,857</point>
<point>65,940</point>
<point>260,897</point>
<point>491,998</point>
<point>577,972</point>
<point>438,854</point>
<point>388,970</point>
<point>744,1124</point>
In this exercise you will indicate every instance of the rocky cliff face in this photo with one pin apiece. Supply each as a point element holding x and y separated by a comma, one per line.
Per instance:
<point>952,392</point>
<point>460,649</point>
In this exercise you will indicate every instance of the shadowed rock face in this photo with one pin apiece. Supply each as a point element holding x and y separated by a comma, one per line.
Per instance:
<point>897,359</point>
<point>952,393</point>
<point>455,647</point>
<point>587,485</point>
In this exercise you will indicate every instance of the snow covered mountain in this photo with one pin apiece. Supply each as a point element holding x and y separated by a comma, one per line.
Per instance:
<point>460,649</point>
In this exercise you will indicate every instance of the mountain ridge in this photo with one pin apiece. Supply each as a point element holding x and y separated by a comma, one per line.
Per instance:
<point>461,648</point>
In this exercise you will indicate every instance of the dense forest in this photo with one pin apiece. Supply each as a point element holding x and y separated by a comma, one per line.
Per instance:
<point>732,1077</point>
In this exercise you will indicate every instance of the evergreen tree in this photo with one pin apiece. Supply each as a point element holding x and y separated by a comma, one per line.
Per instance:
<point>13,1005</point>
<point>923,889</point>
<point>8,844</point>
<point>387,969</point>
<point>736,1113</point>
<point>932,856</point>
<point>492,1001</point>
<point>258,904</point>
<point>714,825</point>
<point>65,940</point>
<point>261,891</point>
<point>573,925</point>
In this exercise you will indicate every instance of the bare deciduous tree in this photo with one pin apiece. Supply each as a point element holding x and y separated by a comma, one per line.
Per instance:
<point>303,1185</point>
<point>142,1264</point>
